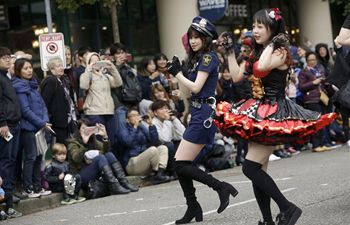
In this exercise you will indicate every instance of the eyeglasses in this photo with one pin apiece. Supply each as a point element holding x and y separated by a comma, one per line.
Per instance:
<point>6,57</point>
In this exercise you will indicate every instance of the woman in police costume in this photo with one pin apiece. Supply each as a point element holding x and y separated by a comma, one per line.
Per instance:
<point>202,78</point>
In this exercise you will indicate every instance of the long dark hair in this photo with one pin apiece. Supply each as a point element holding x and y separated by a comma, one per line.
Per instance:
<point>275,26</point>
<point>207,46</point>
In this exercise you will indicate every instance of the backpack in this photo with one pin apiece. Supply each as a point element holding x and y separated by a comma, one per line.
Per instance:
<point>130,91</point>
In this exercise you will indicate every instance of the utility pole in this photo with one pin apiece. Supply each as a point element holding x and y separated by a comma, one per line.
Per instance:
<point>48,15</point>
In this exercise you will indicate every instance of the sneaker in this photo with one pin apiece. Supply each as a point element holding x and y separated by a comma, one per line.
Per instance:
<point>320,149</point>
<point>79,199</point>
<point>31,194</point>
<point>68,201</point>
<point>289,217</point>
<point>12,213</point>
<point>44,192</point>
<point>292,151</point>
<point>332,146</point>
<point>274,158</point>
<point>3,215</point>
<point>20,195</point>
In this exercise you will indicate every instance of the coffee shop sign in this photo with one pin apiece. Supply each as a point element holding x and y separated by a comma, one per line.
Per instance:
<point>236,11</point>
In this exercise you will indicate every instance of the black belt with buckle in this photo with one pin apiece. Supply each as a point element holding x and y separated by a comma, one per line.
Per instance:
<point>197,102</point>
<point>209,100</point>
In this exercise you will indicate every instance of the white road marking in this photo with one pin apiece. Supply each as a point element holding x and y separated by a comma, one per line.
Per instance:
<point>142,210</point>
<point>236,204</point>
<point>110,214</point>
<point>139,199</point>
<point>171,207</point>
<point>324,184</point>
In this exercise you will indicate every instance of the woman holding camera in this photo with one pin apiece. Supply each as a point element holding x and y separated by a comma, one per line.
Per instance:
<point>98,80</point>
<point>89,163</point>
<point>201,81</point>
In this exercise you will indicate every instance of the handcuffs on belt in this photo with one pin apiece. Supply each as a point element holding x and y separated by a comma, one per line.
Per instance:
<point>208,122</point>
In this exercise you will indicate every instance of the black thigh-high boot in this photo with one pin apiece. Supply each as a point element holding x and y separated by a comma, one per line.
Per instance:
<point>120,175</point>
<point>224,190</point>
<point>289,212</point>
<point>113,185</point>
<point>194,210</point>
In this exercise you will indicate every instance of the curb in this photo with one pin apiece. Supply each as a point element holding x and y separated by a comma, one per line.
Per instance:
<point>33,205</point>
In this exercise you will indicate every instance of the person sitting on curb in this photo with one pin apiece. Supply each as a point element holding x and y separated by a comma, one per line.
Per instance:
<point>83,160</point>
<point>58,175</point>
<point>141,155</point>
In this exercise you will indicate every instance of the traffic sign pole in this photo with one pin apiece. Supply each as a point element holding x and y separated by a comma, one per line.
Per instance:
<point>48,15</point>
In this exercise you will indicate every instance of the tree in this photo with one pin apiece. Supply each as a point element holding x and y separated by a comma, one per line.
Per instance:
<point>72,5</point>
<point>346,5</point>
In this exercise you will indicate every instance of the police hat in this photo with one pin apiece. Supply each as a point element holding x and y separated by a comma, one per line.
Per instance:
<point>204,26</point>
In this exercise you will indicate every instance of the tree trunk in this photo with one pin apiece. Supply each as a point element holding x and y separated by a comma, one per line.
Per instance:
<point>114,16</point>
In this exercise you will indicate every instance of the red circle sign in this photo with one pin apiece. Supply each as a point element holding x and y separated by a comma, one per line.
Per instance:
<point>52,47</point>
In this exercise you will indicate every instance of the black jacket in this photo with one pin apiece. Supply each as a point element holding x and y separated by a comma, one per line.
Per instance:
<point>53,170</point>
<point>10,110</point>
<point>56,102</point>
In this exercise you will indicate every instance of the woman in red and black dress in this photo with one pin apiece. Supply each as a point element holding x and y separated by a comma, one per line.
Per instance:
<point>269,118</point>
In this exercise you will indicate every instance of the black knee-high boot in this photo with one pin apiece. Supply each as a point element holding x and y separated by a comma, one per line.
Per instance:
<point>194,210</point>
<point>113,184</point>
<point>224,190</point>
<point>118,172</point>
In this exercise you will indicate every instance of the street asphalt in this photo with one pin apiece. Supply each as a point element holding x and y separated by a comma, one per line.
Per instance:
<point>319,183</point>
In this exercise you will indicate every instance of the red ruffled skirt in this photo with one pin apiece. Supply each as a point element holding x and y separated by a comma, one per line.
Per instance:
<point>269,122</point>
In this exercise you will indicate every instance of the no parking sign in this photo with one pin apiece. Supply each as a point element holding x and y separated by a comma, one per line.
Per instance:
<point>51,45</point>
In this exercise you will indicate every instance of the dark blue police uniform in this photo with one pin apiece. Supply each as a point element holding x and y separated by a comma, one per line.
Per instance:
<point>196,132</point>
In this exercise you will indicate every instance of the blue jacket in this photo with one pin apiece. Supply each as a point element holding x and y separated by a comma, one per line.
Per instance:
<point>33,108</point>
<point>135,141</point>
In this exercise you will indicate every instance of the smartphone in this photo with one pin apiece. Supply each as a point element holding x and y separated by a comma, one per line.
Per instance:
<point>8,137</point>
<point>91,130</point>
<point>101,64</point>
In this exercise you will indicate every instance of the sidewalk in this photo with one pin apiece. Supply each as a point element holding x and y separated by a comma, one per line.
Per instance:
<point>32,205</point>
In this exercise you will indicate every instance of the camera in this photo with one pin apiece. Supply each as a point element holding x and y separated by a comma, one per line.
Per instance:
<point>173,113</point>
<point>145,117</point>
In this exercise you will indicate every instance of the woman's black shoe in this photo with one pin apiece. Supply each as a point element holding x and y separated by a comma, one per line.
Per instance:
<point>193,211</point>
<point>225,190</point>
<point>289,217</point>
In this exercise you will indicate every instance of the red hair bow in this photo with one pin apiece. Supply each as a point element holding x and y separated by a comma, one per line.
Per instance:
<point>275,14</point>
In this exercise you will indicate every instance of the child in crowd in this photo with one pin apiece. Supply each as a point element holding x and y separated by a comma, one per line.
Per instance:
<point>57,174</point>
